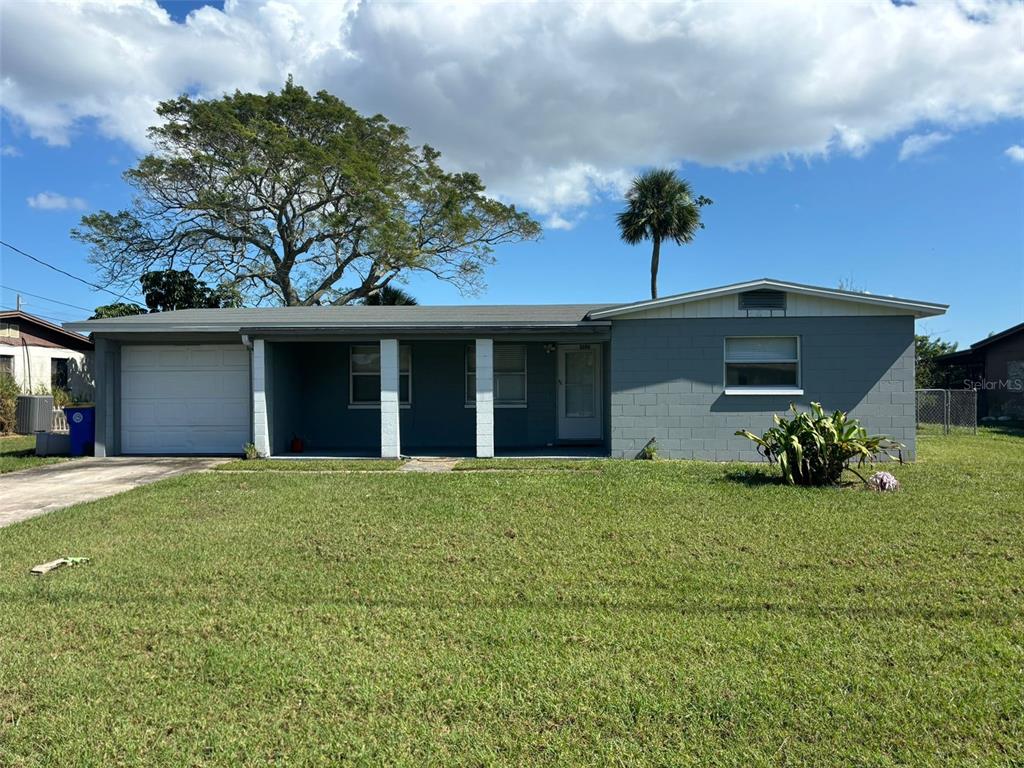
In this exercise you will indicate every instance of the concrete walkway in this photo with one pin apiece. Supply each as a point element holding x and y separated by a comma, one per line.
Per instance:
<point>33,492</point>
<point>432,464</point>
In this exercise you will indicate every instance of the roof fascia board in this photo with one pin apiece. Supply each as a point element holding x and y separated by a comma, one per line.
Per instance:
<point>920,308</point>
<point>367,329</point>
<point>45,324</point>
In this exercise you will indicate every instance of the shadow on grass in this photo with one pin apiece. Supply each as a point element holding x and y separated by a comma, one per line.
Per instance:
<point>854,608</point>
<point>22,454</point>
<point>1015,429</point>
<point>754,478</point>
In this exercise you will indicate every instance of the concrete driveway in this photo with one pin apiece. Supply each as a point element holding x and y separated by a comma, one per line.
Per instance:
<point>33,492</point>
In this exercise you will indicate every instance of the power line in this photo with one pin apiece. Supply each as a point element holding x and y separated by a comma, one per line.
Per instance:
<point>68,274</point>
<point>44,298</point>
<point>51,318</point>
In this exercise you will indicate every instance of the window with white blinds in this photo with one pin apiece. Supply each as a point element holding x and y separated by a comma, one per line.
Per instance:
<point>762,362</point>
<point>509,374</point>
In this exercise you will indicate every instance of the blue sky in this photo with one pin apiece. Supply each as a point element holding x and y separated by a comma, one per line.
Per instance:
<point>945,224</point>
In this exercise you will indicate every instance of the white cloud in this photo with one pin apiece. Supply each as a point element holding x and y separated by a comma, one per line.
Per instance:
<point>554,104</point>
<point>1015,153</point>
<point>921,143</point>
<point>52,201</point>
<point>9,150</point>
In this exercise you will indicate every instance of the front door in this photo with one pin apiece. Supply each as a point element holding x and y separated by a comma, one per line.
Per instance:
<point>579,392</point>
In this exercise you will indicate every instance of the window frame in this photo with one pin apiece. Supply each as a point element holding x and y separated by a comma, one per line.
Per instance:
<point>67,372</point>
<point>471,402</point>
<point>4,358</point>
<point>794,389</point>
<point>375,404</point>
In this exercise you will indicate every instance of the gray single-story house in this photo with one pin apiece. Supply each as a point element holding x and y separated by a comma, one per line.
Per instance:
<point>687,370</point>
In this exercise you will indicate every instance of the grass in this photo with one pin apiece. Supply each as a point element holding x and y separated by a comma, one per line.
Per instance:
<point>659,613</point>
<point>311,465</point>
<point>574,465</point>
<point>19,452</point>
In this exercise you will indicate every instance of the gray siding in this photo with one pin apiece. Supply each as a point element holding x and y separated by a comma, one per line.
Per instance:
<point>667,381</point>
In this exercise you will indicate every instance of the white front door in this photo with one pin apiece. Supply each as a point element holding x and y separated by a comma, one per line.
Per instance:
<point>579,392</point>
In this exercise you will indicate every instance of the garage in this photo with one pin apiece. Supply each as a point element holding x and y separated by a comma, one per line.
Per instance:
<point>184,399</point>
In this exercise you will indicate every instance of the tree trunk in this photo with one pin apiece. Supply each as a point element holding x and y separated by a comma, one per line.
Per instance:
<point>655,259</point>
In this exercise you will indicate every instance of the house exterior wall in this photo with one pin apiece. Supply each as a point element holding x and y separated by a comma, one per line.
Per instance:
<point>31,365</point>
<point>1001,394</point>
<point>667,381</point>
<point>308,384</point>
<point>797,305</point>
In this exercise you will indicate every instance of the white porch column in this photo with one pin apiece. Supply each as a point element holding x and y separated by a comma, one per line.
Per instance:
<point>390,439</point>
<point>260,426</point>
<point>485,398</point>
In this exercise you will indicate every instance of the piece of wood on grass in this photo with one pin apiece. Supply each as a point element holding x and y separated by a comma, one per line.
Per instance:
<point>50,566</point>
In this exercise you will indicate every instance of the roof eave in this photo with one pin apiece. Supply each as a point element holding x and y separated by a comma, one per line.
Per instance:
<point>342,328</point>
<point>917,308</point>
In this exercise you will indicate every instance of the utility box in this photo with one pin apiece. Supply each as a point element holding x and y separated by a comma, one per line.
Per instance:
<point>53,443</point>
<point>33,413</point>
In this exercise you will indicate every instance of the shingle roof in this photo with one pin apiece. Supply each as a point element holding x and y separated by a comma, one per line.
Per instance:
<point>17,314</point>
<point>349,317</point>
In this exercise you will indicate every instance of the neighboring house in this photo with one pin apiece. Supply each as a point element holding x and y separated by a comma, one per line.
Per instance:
<point>41,355</point>
<point>995,367</point>
<point>688,370</point>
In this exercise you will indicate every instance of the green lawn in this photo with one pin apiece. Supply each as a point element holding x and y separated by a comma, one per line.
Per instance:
<point>19,452</point>
<point>570,465</point>
<point>311,465</point>
<point>656,613</point>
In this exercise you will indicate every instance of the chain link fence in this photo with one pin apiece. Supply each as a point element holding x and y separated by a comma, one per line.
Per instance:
<point>947,410</point>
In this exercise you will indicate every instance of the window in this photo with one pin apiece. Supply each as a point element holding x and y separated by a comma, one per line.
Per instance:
<point>762,364</point>
<point>59,372</point>
<point>762,299</point>
<point>7,365</point>
<point>509,374</point>
<point>8,329</point>
<point>364,374</point>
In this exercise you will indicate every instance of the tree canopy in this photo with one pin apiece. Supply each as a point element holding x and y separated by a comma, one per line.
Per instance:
<point>169,289</point>
<point>389,296</point>
<point>117,309</point>
<point>660,206</point>
<point>297,199</point>
<point>930,374</point>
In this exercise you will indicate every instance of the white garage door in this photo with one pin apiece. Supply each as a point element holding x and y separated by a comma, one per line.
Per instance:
<point>180,399</point>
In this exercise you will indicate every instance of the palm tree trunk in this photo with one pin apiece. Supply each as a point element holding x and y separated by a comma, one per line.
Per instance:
<point>655,260</point>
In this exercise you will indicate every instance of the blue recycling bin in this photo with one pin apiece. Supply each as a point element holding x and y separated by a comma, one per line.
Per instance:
<point>82,429</point>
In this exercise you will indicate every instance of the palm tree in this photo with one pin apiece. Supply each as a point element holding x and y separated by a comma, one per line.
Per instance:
<point>660,206</point>
<point>388,295</point>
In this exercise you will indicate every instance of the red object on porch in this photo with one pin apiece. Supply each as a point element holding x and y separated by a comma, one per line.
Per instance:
<point>297,445</point>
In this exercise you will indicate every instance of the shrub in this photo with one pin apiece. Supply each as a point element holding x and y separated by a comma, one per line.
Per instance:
<point>61,397</point>
<point>8,402</point>
<point>649,452</point>
<point>251,452</point>
<point>813,448</point>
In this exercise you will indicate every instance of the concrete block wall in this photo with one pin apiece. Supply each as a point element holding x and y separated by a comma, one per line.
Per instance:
<point>667,381</point>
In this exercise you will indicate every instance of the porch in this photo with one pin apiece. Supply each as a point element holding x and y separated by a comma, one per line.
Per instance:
<point>430,397</point>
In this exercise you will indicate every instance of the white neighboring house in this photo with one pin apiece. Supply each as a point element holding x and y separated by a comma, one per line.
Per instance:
<point>40,355</point>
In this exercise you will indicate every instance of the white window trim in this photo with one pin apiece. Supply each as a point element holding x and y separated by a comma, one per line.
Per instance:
<point>524,403</point>
<point>753,390</point>
<point>375,406</point>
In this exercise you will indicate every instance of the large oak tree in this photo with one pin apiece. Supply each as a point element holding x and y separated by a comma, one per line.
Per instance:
<point>297,199</point>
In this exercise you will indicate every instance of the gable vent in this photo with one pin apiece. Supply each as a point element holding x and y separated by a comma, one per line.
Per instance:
<point>763,299</point>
